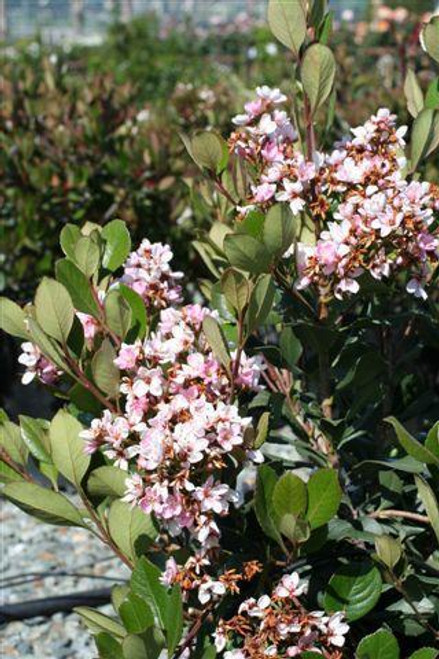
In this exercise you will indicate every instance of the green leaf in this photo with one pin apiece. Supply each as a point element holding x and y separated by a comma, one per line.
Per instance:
<point>105,373</point>
<point>138,312</point>
<point>324,496</point>
<point>54,309</point>
<point>145,582</point>
<point>8,475</point>
<point>117,244</point>
<point>87,255</point>
<point>135,614</point>
<point>69,236</point>
<point>432,95</point>
<point>318,74</point>
<point>50,507</point>
<point>279,230</point>
<point>289,495</point>
<point>11,439</point>
<point>236,289</point>
<point>107,481</point>
<point>209,150</point>
<point>379,645</point>
<point>295,529</point>
<point>34,433</point>
<point>12,319</point>
<point>430,38</point>
<point>217,341</point>
<point>78,286</point>
<point>175,619</point>
<point>422,136</point>
<point>47,345</point>
<point>98,622</point>
<point>355,589</point>
<point>68,449</point>
<point>247,253</point>
<point>414,448</point>
<point>389,549</point>
<point>108,647</point>
<point>413,93</point>
<point>118,313</point>
<point>262,430</point>
<point>118,594</point>
<point>147,646</point>
<point>131,529</point>
<point>290,347</point>
<point>425,653</point>
<point>263,502</point>
<point>261,302</point>
<point>287,22</point>
<point>432,440</point>
<point>429,500</point>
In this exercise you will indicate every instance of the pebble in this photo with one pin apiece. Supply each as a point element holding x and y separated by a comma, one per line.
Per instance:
<point>29,546</point>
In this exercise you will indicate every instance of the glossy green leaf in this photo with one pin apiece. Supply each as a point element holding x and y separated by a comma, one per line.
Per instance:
<point>279,230</point>
<point>262,430</point>
<point>414,448</point>
<point>34,433</point>
<point>432,440</point>
<point>105,373</point>
<point>318,74</point>
<point>209,150</point>
<point>261,302</point>
<point>422,135</point>
<point>389,549</point>
<point>67,448</point>
<point>287,22</point>
<point>87,255</point>
<point>12,319</point>
<point>135,614</point>
<point>99,622</point>
<point>425,653</point>
<point>138,311</point>
<point>289,495</point>
<point>247,253</point>
<point>117,244</point>
<point>69,236</point>
<point>217,341</point>
<point>50,507</point>
<point>355,588</point>
<point>117,313</point>
<point>175,619</point>
<point>379,645</point>
<point>131,529</point>
<point>429,500</point>
<point>12,440</point>
<point>47,346</point>
<point>236,289</point>
<point>78,286</point>
<point>430,38</point>
<point>145,582</point>
<point>54,309</point>
<point>413,93</point>
<point>324,497</point>
<point>108,647</point>
<point>107,481</point>
<point>263,502</point>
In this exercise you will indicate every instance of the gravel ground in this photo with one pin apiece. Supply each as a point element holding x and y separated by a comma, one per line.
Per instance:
<point>28,546</point>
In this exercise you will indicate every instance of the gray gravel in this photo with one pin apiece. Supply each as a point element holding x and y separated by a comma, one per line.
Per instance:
<point>28,546</point>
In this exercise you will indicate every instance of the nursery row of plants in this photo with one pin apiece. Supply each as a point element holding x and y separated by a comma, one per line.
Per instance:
<point>250,426</point>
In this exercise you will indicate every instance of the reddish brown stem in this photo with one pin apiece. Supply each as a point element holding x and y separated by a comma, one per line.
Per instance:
<point>21,471</point>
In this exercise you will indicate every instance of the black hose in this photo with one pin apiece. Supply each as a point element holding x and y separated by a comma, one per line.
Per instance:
<point>50,605</point>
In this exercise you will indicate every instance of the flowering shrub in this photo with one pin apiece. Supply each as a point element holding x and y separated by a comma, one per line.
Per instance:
<point>243,456</point>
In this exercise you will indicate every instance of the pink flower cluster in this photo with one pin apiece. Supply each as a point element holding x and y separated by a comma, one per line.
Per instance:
<point>147,271</point>
<point>279,626</point>
<point>37,366</point>
<point>367,216</point>
<point>178,428</point>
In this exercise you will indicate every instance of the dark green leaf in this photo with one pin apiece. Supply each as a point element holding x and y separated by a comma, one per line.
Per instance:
<point>50,507</point>
<point>379,645</point>
<point>355,589</point>
<point>324,496</point>
<point>117,244</point>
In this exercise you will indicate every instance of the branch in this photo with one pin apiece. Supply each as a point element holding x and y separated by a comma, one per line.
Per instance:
<point>390,514</point>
